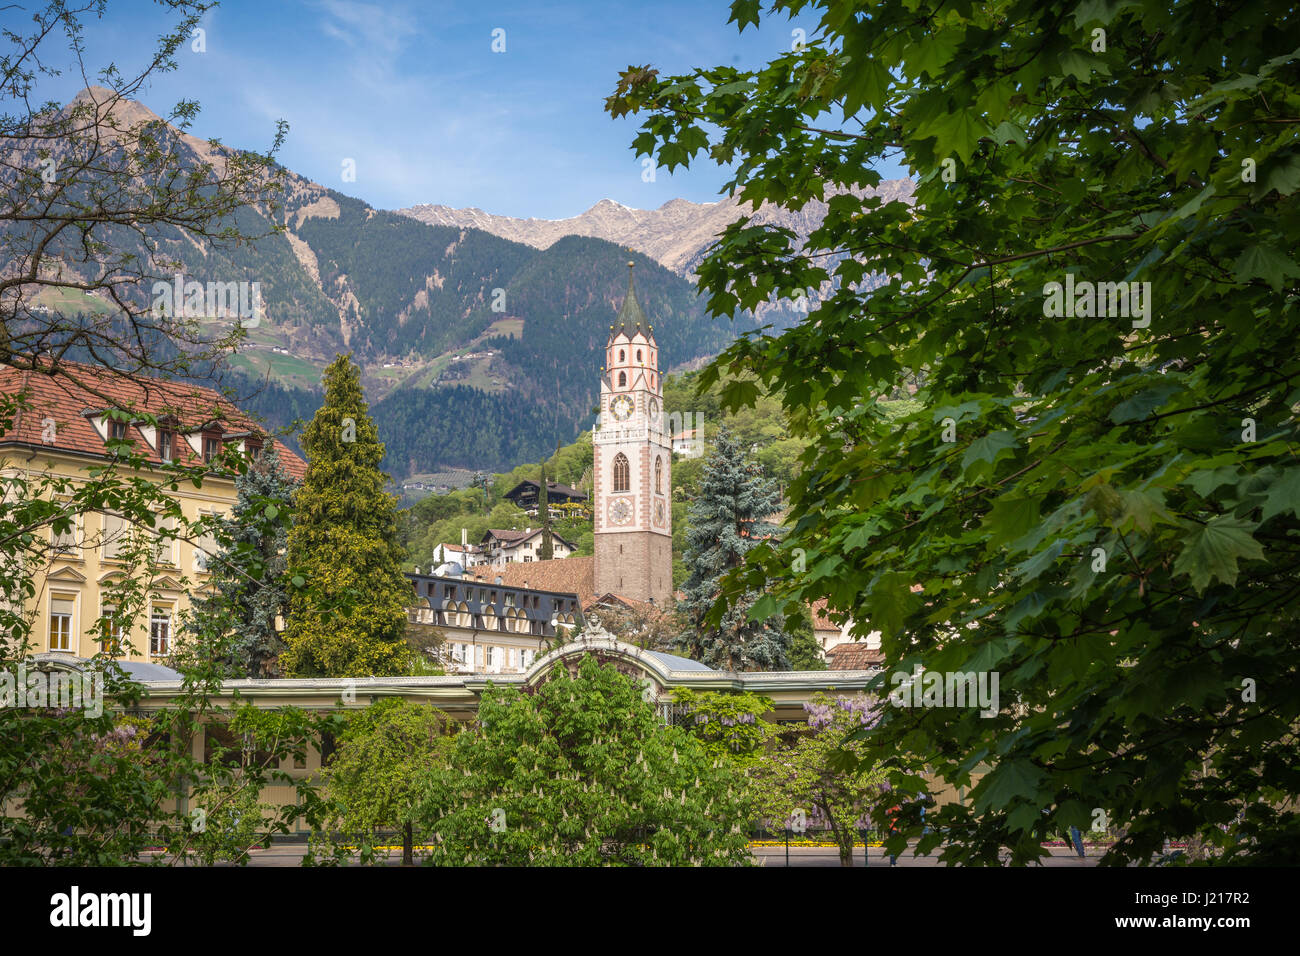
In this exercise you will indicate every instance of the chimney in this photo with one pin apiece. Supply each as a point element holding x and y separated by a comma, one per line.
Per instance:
<point>464,537</point>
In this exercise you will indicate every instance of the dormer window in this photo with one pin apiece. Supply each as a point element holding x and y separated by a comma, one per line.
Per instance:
<point>116,430</point>
<point>253,446</point>
<point>211,446</point>
<point>165,447</point>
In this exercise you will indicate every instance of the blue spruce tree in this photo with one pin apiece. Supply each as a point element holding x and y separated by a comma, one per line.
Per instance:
<point>248,583</point>
<point>726,522</point>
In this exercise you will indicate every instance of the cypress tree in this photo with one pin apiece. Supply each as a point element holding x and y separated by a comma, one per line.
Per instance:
<point>349,619</point>
<point>547,549</point>
<point>248,572</point>
<point>726,522</point>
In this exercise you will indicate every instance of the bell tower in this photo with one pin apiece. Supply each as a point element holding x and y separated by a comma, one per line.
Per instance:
<point>632,501</point>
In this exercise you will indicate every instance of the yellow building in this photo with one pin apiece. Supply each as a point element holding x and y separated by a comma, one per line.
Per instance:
<point>63,434</point>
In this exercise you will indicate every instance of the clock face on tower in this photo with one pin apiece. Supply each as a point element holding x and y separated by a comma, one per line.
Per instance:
<point>659,513</point>
<point>621,408</point>
<point>620,511</point>
<point>654,412</point>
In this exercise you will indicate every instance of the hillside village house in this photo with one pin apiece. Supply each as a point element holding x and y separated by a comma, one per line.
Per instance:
<point>501,546</point>
<point>526,495</point>
<point>65,432</point>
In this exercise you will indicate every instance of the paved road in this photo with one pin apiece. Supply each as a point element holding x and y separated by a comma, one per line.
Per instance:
<point>829,856</point>
<point>290,854</point>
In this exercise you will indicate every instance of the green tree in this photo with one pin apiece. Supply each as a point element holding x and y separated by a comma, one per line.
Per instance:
<point>726,523</point>
<point>375,779</point>
<point>805,651</point>
<point>547,550</point>
<point>248,572</point>
<point>804,774</point>
<point>349,619</point>
<point>728,725</point>
<point>582,773</point>
<point>1097,499</point>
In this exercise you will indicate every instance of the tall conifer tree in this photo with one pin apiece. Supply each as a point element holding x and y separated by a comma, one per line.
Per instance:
<point>726,522</point>
<point>248,572</point>
<point>349,619</point>
<point>547,550</point>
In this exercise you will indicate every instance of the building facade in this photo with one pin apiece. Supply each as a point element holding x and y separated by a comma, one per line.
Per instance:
<point>502,546</point>
<point>491,627</point>
<point>632,483</point>
<point>63,435</point>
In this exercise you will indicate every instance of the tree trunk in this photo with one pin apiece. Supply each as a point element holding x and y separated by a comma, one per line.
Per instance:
<point>844,840</point>
<point>408,846</point>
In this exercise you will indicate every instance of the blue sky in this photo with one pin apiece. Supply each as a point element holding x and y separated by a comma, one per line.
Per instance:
<point>415,95</point>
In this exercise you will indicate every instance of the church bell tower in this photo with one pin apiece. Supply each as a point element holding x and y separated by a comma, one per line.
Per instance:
<point>633,457</point>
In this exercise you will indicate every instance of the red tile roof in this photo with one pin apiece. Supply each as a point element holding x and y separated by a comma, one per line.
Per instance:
<point>71,400</point>
<point>511,537</point>
<point>854,656</point>
<point>821,616</point>
<point>574,575</point>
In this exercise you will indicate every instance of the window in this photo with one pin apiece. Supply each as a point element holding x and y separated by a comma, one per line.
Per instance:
<point>206,547</point>
<point>638,356</point>
<point>622,356</point>
<point>659,475</point>
<point>622,379</point>
<point>115,535</point>
<point>478,655</point>
<point>165,444</point>
<point>165,533</point>
<point>528,557</point>
<point>65,542</point>
<point>116,430</point>
<point>62,608</point>
<point>491,657</point>
<point>510,600</point>
<point>211,446</point>
<point>622,473</point>
<point>160,630</point>
<point>115,632</point>
<point>253,446</point>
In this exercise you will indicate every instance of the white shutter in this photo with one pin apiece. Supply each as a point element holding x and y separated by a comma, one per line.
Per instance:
<point>165,529</point>
<point>114,537</point>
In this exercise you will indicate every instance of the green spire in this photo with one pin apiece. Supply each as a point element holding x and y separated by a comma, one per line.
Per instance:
<point>630,317</point>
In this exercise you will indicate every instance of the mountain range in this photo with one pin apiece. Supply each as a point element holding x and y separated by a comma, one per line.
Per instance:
<point>676,235</point>
<point>480,337</point>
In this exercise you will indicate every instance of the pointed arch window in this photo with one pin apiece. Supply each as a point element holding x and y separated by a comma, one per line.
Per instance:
<point>622,356</point>
<point>622,379</point>
<point>622,473</point>
<point>638,356</point>
<point>659,475</point>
